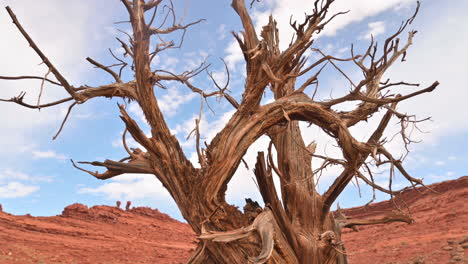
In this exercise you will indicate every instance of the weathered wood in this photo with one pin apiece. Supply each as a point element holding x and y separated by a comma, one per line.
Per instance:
<point>295,226</point>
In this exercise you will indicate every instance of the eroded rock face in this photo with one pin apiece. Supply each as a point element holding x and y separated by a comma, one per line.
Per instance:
<point>99,234</point>
<point>107,234</point>
<point>75,209</point>
<point>98,212</point>
<point>441,224</point>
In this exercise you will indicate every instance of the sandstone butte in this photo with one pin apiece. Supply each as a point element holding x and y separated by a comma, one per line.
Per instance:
<point>106,234</point>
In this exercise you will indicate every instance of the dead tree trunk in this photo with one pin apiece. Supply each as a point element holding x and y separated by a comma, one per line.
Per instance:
<point>295,226</point>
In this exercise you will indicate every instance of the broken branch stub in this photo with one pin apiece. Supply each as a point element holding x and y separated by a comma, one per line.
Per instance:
<point>268,230</point>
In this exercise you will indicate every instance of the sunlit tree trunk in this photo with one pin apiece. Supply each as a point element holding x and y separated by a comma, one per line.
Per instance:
<point>295,225</point>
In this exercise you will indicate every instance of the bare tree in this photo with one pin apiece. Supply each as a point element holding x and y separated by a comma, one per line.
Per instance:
<point>296,226</point>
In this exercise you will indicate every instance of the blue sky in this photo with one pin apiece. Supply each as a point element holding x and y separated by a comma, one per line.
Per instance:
<point>35,173</point>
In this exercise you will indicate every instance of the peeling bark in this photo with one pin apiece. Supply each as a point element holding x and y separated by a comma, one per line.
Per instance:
<point>296,225</point>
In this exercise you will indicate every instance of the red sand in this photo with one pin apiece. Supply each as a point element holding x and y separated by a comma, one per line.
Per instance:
<point>108,235</point>
<point>440,218</point>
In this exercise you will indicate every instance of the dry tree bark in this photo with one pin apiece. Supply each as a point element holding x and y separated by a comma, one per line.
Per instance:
<point>295,226</point>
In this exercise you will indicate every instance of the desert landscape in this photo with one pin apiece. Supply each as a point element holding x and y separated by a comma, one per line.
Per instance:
<point>106,234</point>
<point>222,101</point>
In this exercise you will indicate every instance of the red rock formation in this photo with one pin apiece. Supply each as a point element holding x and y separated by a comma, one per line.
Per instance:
<point>440,217</point>
<point>105,234</point>
<point>96,235</point>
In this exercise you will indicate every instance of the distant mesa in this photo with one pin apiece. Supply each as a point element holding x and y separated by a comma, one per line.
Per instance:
<point>108,234</point>
<point>111,213</point>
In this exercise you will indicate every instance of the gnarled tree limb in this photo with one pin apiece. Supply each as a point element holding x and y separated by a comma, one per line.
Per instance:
<point>269,232</point>
<point>46,60</point>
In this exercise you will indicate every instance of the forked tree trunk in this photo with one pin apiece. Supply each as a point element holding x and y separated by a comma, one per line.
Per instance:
<point>307,222</point>
<point>295,226</point>
<point>311,249</point>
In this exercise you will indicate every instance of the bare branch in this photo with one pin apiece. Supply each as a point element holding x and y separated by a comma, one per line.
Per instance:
<point>28,77</point>
<point>375,186</point>
<point>151,4</point>
<point>393,217</point>
<point>46,61</point>
<point>42,89</point>
<point>399,166</point>
<point>173,28</point>
<point>64,120</point>
<point>126,48</point>
<point>134,129</point>
<point>19,100</point>
<point>115,168</point>
<point>124,142</point>
<point>250,36</point>
<point>107,69</point>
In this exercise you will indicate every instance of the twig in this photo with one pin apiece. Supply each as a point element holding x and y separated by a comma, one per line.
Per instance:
<point>33,45</point>
<point>40,92</point>
<point>64,120</point>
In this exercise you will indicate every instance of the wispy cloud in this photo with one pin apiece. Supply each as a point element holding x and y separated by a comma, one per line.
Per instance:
<point>22,60</point>
<point>171,101</point>
<point>221,31</point>
<point>208,129</point>
<point>14,175</point>
<point>129,187</point>
<point>16,190</point>
<point>48,154</point>
<point>441,177</point>
<point>375,29</point>
<point>283,9</point>
<point>16,184</point>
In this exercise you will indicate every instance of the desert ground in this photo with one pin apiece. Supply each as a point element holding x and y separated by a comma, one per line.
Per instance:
<point>110,235</point>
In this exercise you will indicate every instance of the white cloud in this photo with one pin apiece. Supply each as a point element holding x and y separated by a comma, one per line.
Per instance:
<point>283,9</point>
<point>358,11</point>
<point>193,60</point>
<point>234,55</point>
<point>441,177</point>
<point>171,102</point>
<point>131,143</point>
<point>220,77</point>
<point>243,184</point>
<point>7,175</point>
<point>66,51</point>
<point>49,154</point>
<point>208,129</point>
<point>17,184</point>
<point>16,190</point>
<point>430,57</point>
<point>221,31</point>
<point>129,187</point>
<point>375,29</point>
<point>437,54</point>
<point>341,51</point>
<point>440,163</point>
<point>154,63</point>
<point>135,109</point>
<point>170,63</point>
